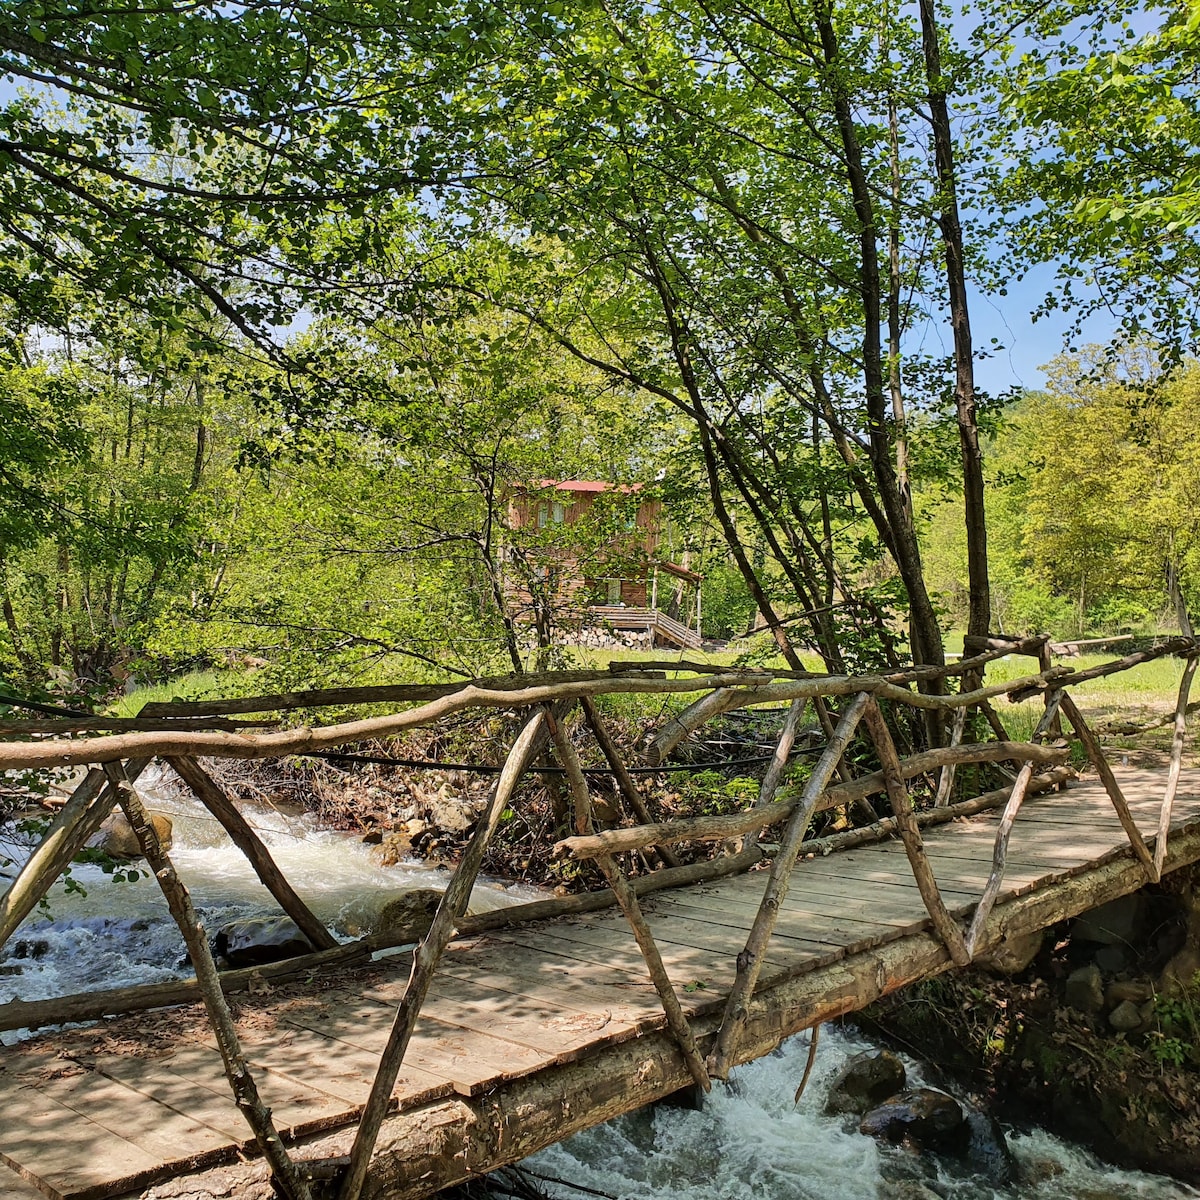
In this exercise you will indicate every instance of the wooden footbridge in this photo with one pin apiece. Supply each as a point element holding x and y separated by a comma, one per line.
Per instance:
<point>371,1069</point>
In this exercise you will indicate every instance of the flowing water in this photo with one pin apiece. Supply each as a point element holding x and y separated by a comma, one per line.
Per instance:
<point>748,1140</point>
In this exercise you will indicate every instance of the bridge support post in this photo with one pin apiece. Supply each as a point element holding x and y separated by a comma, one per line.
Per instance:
<point>257,1115</point>
<point>75,822</point>
<point>1096,753</point>
<point>453,904</point>
<point>1164,816</point>
<point>749,962</point>
<point>250,844</point>
<point>910,833</point>
<point>627,899</point>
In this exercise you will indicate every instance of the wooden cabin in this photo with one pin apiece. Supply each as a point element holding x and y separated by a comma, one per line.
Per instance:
<point>582,562</point>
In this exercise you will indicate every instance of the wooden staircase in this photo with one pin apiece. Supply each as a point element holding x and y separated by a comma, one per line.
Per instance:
<point>620,616</point>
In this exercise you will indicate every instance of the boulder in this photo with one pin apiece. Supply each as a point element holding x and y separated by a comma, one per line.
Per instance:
<point>1013,955</point>
<point>1119,922</point>
<point>1137,990</point>
<point>924,1116</point>
<point>257,940</point>
<point>1085,989</point>
<point>1179,975</point>
<point>987,1149</point>
<point>865,1081</point>
<point>1126,1017</point>
<point>409,915</point>
<point>117,839</point>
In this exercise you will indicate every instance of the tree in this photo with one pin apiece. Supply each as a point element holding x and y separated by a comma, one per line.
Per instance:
<point>1107,181</point>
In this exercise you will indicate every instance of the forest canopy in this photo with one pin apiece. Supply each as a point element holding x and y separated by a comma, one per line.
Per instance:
<point>294,296</point>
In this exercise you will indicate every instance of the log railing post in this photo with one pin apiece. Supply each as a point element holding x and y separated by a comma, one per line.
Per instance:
<point>82,815</point>
<point>258,1116</point>
<point>750,961</point>
<point>213,797</point>
<point>1000,851</point>
<point>677,1021</point>
<point>1164,815</point>
<point>946,779</point>
<point>628,789</point>
<point>429,951</point>
<point>910,833</point>
<point>1096,753</point>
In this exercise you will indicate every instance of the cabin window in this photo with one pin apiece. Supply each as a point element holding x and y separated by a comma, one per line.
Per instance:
<point>559,514</point>
<point>543,515</point>
<point>614,591</point>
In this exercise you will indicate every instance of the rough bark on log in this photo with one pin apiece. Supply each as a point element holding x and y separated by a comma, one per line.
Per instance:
<point>82,815</point>
<point>1168,804</point>
<point>245,1091</point>
<point>1111,786</point>
<point>1183,646</point>
<point>250,844</point>
<point>676,1021</point>
<point>453,903</point>
<point>625,783</point>
<point>216,744</point>
<point>709,829</point>
<point>914,845</point>
<point>452,1141</point>
<point>749,962</point>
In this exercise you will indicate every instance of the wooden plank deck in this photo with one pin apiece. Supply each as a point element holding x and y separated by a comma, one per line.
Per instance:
<point>109,1109</point>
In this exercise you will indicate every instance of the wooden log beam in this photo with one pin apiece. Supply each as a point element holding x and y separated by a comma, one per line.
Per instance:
<point>1096,753</point>
<point>887,827</point>
<point>1168,804</point>
<point>450,910</point>
<point>111,1002</point>
<point>750,961</point>
<point>453,1141</point>
<point>213,797</point>
<point>256,1114</point>
<point>218,744</point>
<point>77,820</point>
<point>627,899</point>
<point>1183,646</point>
<point>388,693</point>
<point>625,784</point>
<point>910,833</point>
<point>69,726</point>
<point>709,829</point>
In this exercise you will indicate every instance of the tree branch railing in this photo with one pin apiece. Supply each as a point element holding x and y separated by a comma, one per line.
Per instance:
<point>180,733</point>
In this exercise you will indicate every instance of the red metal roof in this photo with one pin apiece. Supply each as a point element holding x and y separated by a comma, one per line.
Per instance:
<point>586,485</point>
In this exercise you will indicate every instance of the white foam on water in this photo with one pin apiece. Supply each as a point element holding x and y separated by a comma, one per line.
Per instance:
<point>749,1140</point>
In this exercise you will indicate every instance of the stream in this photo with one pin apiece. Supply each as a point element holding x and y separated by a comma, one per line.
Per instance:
<point>748,1139</point>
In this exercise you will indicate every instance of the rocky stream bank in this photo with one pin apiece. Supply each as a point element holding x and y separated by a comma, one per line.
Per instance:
<point>1092,1031</point>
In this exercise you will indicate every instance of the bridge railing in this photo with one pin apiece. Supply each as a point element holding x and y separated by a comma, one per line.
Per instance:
<point>182,733</point>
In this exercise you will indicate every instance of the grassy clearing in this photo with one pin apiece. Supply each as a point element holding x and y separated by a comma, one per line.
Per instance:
<point>199,685</point>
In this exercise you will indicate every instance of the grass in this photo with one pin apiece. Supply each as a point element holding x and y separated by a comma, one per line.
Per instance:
<point>199,685</point>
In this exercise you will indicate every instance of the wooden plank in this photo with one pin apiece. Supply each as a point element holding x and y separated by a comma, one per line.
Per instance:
<point>192,1080</point>
<point>566,1034</point>
<point>471,1062</point>
<point>14,1187</point>
<point>100,1163</point>
<point>312,1060</point>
